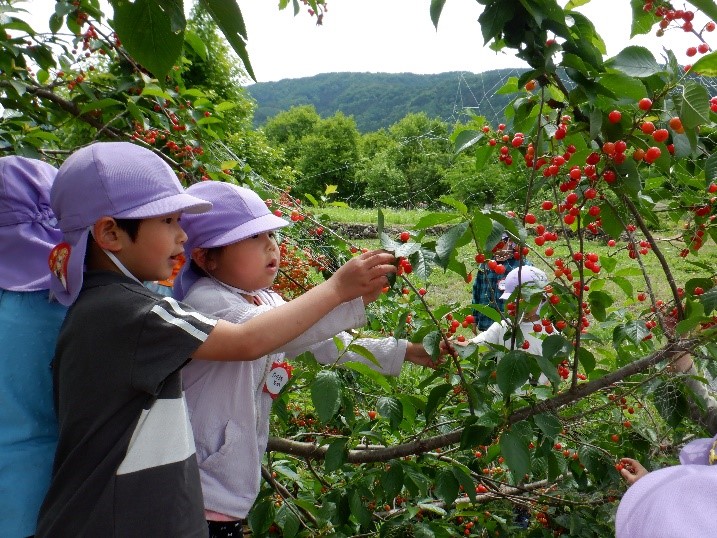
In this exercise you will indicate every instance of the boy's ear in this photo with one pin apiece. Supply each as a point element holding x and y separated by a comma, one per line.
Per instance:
<point>106,234</point>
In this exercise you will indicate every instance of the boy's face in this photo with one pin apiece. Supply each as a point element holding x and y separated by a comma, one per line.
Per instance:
<point>250,264</point>
<point>153,254</point>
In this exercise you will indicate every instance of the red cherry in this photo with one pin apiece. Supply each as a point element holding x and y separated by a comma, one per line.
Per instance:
<point>372,414</point>
<point>405,236</point>
<point>530,218</point>
<point>645,104</point>
<point>615,116</point>
<point>661,135</point>
<point>547,205</point>
<point>652,154</point>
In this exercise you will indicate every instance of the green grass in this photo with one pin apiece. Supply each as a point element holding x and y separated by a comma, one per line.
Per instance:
<point>392,217</point>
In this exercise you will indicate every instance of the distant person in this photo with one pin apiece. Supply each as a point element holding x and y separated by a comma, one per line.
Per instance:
<point>488,284</point>
<point>29,324</point>
<point>500,333</point>
<point>235,259</point>
<point>125,463</point>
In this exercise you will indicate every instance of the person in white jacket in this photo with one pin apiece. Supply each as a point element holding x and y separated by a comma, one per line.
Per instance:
<point>234,261</point>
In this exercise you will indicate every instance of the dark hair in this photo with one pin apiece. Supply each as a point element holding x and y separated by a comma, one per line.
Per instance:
<point>130,227</point>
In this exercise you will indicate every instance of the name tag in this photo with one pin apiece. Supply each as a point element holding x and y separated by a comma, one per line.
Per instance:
<point>279,376</point>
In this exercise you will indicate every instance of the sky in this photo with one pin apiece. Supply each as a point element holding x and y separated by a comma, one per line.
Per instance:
<point>396,36</point>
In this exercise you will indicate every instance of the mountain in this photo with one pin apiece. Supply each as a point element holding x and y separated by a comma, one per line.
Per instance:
<point>378,100</point>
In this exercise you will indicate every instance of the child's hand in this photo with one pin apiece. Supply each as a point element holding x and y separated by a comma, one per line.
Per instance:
<point>417,354</point>
<point>364,275</point>
<point>631,470</point>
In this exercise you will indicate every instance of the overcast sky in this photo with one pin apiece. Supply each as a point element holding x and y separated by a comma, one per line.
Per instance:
<point>397,36</point>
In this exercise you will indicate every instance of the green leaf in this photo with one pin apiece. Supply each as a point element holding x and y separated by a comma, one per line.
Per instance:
<point>708,7</point>
<point>513,371</point>
<point>335,455</point>
<point>466,139</point>
<point>634,331</point>
<point>549,424</point>
<point>288,521</point>
<point>392,409</point>
<point>261,516</point>
<point>556,345</point>
<point>635,61</point>
<point>436,9</point>
<point>599,302</point>
<point>99,105</point>
<point>435,397</point>
<point>446,486</point>
<point>514,448</point>
<point>587,359</point>
<point>325,394</point>
<point>227,15</point>
<point>368,372</point>
<point>453,202</point>
<point>627,87</point>
<point>709,300</point>
<point>465,480</point>
<point>431,342</point>
<point>433,219</point>
<point>448,242</point>
<point>483,153</point>
<point>706,66</point>
<point>151,31</point>
<point>198,46</point>
<point>358,510</point>
<point>695,110</point>
<point>392,480</point>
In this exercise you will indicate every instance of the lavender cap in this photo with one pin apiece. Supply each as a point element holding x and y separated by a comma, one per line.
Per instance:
<point>114,179</point>
<point>237,213</point>
<point>28,227</point>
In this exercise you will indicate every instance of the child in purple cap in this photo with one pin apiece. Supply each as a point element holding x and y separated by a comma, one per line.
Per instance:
<point>234,261</point>
<point>125,463</point>
<point>29,323</point>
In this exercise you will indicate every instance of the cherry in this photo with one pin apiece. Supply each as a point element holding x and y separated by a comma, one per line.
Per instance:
<point>652,154</point>
<point>372,414</point>
<point>661,135</point>
<point>547,205</point>
<point>615,116</point>
<point>405,236</point>
<point>645,103</point>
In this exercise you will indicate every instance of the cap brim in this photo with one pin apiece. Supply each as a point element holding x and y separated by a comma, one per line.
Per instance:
<point>263,224</point>
<point>75,270</point>
<point>178,203</point>
<point>505,295</point>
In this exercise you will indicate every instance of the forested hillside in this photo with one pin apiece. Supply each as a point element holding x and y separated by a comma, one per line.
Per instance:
<point>377,100</point>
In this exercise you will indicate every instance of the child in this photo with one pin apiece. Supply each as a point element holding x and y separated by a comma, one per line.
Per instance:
<point>235,258</point>
<point>125,462</point>
<point>670,502</point>
<point>29,324</point>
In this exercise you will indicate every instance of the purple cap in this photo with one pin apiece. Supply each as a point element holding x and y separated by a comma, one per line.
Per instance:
<point>28,227</point>
<point>673,501</point>
<point>237,213</point>
<point>113,179</point>
<point>526,274</point>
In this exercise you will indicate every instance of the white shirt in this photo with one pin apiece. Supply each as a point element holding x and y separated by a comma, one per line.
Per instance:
<point>228,407</point>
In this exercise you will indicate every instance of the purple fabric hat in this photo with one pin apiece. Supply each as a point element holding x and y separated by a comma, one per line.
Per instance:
<point>237,213</point>
<point>674,501</point>
<point>28,227</point>
<point>114,179</point>
<point>528,274</point>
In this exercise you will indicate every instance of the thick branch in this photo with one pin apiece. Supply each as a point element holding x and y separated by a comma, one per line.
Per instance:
<point>372,454</point>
